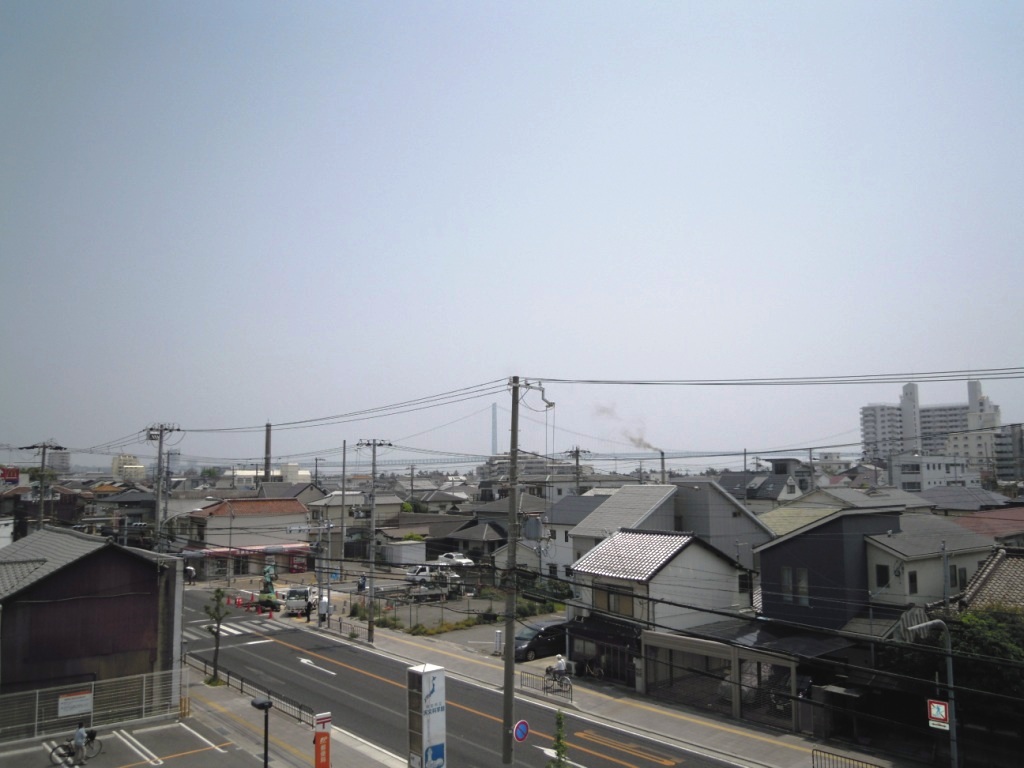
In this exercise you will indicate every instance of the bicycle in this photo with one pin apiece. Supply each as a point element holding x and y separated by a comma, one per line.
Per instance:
<point>590,668</point>
<point>554,679</point>
<point>66,751</point>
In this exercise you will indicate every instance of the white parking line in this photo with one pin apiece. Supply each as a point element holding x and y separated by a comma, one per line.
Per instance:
<point>136,746</point>
<point>202,738</point>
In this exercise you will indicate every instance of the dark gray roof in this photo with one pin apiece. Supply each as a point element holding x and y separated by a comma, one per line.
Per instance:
<point>628,508</point>
<point>923,534</point>
<point>573,510</point>
<point>633,555</point>
<point>42,553</point>
<point>281,490</point>
<point>967,499</point>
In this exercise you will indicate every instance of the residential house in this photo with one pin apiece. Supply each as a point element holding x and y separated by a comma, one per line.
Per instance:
<point>64,605</point>
<point>705,508</point>
<point>239,537</point>
<point>927,558</point>
<point>640,579</point>
<point>651,507</point>
<point>815,572</point>
<point>998,583</point>
<point>556,524</point>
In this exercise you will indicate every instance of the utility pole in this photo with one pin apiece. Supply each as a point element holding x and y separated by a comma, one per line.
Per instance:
<point>47,445</point>
<point>157,432</point>
<point>510,584</point>
<point>373,531</point>
<point>575,452</point>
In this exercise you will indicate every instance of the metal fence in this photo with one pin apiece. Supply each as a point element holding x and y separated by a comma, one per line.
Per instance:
<point>822,759</point>
<point>285,704</point>
<point>104,703</point>
<point>545,684</point>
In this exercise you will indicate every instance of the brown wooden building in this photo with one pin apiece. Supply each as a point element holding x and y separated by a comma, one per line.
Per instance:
<point>80,608</point>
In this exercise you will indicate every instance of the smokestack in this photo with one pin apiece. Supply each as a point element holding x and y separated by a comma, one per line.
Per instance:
<point>664,479</point>
<point>266,456</point>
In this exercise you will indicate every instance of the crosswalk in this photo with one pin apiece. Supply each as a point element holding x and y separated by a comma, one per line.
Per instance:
<point>236,629</point>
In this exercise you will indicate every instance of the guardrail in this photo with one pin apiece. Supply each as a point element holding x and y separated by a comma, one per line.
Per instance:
<point>289,706</point>
<point>544,684</point>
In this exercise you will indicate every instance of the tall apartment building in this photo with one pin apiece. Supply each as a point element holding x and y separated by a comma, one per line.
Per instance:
<point>965,430</point>
<point>120,463</point>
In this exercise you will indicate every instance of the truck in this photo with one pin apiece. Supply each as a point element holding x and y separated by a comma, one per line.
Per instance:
<point>296,598</point>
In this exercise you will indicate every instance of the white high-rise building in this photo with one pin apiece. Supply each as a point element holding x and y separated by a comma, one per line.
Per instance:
<point>118,464</point>
<point>959,429</point>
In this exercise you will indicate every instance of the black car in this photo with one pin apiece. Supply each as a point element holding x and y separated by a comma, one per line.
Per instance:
<point>541,639</point>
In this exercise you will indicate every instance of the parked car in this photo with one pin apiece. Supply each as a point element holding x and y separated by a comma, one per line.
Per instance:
<point>454,558</point>
<point>543,639</point>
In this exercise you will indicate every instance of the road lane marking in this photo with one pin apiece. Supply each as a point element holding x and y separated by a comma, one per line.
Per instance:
<point>309,662</point>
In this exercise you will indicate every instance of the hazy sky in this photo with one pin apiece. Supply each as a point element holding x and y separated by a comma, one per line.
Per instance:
<point>221,214</point>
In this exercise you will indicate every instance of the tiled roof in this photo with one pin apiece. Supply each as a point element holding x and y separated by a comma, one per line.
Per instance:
<point>253,508</point>
<point>626,509</point>
<point>999,581</point>
<point>633,555</point>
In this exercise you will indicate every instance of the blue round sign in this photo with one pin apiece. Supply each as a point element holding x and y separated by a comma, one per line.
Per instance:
<point>521,731</point>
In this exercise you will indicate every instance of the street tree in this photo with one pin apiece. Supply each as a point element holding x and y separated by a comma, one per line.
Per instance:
<point>217,610</point>
<point>561,758</point>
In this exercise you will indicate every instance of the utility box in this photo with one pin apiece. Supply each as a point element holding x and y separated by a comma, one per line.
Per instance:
<point>405,552</point>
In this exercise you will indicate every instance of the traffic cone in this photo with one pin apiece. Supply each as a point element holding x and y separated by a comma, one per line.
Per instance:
<point>271,612</point>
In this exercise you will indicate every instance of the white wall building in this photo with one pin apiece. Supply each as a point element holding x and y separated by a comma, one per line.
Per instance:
<point>119,462</point>
<point>914,473</point>
<point>958,429</point>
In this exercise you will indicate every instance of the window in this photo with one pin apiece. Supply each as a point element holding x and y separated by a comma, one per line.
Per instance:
<point>746,584</point>
<point>795,587</point>
<point>803,596</point>
<point>613,600</point>
<point>881,576</point>
<point>566,535</point>
<point>963,578</point>
<point>912,581</point>
<point>952,575</point>
<point>552,533</point>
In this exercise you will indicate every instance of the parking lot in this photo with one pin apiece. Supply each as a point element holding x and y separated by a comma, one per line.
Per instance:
<point>187,744</point>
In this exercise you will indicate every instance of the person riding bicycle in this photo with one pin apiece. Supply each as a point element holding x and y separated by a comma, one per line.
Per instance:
<point>558,670</point>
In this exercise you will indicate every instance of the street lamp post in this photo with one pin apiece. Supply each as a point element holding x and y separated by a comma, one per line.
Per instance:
<point>939,624</point>
<point>265,704</point>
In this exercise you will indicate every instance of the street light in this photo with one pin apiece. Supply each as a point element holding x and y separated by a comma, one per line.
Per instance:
<point>939,624</point>
<point>265,704</point>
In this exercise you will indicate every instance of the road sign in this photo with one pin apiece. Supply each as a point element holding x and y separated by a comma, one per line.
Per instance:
<point>521,731</point>
<point>938,714</point>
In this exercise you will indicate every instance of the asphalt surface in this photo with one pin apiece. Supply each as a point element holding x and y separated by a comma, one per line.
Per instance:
<point>221,726</point>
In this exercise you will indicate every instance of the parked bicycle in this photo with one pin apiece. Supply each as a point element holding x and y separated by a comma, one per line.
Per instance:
<point>64,754</point>
<point>591,669</point>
